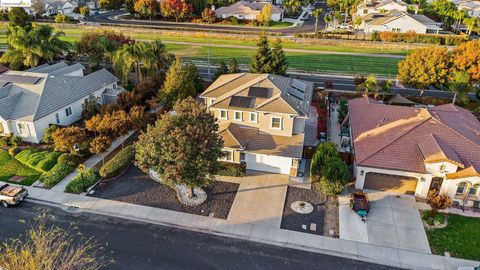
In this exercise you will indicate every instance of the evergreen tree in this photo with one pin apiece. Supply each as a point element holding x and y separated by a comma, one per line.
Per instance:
<point>178,84</point>
<point>19,17</point>
<point>194,76</point>
<point>279,62</point>
<point>221,70</point>
<point>233,66</point>
<point>262,59</point>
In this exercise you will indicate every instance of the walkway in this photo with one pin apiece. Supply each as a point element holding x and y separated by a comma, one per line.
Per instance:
<point>254,232</point>
<point>91,162</point>
<point>334,129</point>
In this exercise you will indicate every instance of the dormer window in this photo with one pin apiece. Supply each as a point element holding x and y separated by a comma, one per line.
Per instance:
<point>223,114</point>
<point>237,116</point>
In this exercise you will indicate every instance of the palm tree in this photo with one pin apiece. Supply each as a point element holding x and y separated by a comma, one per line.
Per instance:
<point>386,87</point>
<point>138,57</point>
<point>471,24</point>
<point>460,86</point>
<point>161,59</point>
<point>30,48</point>
<point>368,86</point>
<point>317,13</point>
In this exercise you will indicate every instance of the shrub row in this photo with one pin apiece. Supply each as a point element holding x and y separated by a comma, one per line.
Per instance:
<point>118,163</point>
<point>82,181</point>
<point>232,169</point>
<point>43,161</point>
<point>10,140</point>
<point>56,174</point>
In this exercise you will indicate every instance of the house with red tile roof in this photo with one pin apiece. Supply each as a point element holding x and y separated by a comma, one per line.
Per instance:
<point>415,150</point>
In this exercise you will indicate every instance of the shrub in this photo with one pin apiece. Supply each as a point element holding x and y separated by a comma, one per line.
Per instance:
<point>15,140</point>
<point>233,20</point>
<point>232,169</point>
<point>11,151</point>
<point>49,161</point>
<point>47,135</point>
<point>335,176</point>
<point>323,153</point>
<point>30,157</point>
<point>68,159</point>
<point>438,201</point>
<point>208,16</point>
<point>82,181</point>
<point>56,174</point>
<point>118,163</point>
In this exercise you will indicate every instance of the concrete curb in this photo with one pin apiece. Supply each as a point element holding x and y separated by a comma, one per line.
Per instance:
<point>251,232</point>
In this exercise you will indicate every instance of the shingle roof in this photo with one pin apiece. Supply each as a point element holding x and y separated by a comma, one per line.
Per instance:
<point>54,90</point>
<point>247,8</point>
<point>280,100</point>
<point>386,136</point>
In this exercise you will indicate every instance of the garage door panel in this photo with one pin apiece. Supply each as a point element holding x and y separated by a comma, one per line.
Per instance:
<point>267,163</point>
<point>390,183</point>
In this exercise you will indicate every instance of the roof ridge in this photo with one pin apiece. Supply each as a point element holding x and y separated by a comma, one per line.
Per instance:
<point>238,89</point>
<point>395,139</point>
<point>220,85</point>
<point>40,98</point>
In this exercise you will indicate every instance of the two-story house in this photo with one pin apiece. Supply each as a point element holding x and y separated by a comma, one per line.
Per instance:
<point>32,100</point>
<point>261,118</point>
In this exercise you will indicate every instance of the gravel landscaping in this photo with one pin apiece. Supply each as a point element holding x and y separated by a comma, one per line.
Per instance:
<point>136,187</point>
<point>308,223</point>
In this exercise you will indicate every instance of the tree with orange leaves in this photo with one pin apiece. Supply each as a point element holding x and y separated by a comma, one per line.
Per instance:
<point>179,9</point>
<point>146,8</point>
<point>466,57</point>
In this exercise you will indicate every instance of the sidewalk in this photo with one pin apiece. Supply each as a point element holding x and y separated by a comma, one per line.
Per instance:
<point>91,162</point>
<point>253,232</point>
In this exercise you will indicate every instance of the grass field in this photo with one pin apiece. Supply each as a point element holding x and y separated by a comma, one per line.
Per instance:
<point>461,238</point>
<point>311,62</point>
<point>11,167</point>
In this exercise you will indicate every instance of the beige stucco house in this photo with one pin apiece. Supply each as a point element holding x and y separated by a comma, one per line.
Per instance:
<point>415,150</point>
<point>248,10</point>
<point>377,7</point>
<point>400,22</point>
<point>261,118</point>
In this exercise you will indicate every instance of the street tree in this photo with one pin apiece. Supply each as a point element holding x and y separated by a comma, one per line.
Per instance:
<point>370,85</point>
<point>466,57</point>
<point>99,145</point>
<point>182,148</point>
<point>278,62</point>
<point>146,8</point>
<point>265,16</point>
<point>425,66</point>
<point>178,9</point>
<point>45,245</point>
<point>262,59</point>
<point>65,138</point>
<point>334,177</point>
<point>317,13</point>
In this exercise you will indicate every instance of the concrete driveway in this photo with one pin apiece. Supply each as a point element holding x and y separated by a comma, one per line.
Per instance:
<point>393,220</point>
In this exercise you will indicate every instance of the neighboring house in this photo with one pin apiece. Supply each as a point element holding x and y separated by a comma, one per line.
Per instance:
<point>415,150</point>
<point>68,7</point>
<point>245,10</point>
<point>92,5</point>
<point>472,8</point>
<point>60,7</point>
<point>401,22</point>
<point>262,119</point>
<point>374,7</point>
<point>31,100</point>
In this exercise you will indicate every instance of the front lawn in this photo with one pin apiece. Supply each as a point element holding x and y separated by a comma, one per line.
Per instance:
<point>461,238</point>
<point>11,167</point>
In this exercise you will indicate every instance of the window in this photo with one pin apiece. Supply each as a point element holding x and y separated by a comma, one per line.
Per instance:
<point>227,155</point>
<point>397,30</point>
<point>253,117</point>
<point>22,128</point>
<point>461,188</point>
<point>57,118</point>
<point>473,190</point>
<point>237,116</point>
<point>276,123</point>
<point>223,114</point>
<point>68,111</point>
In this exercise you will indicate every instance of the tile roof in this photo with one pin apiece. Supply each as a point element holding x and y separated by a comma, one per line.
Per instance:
<point>247,8</point>
<point>386,136</point>
<point>54,90</point>
<point>252,140</point>
<point>280,100</point>
<point>434,151</point>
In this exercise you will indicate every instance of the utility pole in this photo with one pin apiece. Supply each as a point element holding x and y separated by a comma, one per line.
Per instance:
<point>208,51</point>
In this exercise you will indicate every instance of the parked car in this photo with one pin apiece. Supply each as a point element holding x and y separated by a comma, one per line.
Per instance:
<point>10,195</point>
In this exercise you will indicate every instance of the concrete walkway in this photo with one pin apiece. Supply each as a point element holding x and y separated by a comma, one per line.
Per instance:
<point>334,130</point>
<point>253,232</point>
<point>91,162</point>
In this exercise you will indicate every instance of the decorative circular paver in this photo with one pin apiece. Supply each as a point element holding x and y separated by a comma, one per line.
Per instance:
<point>183,192</point>
<point>302,207</point>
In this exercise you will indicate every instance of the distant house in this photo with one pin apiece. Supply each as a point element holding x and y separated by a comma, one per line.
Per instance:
<point>262,119</point>
<point>400,22</point>
<point>31,100</point>
<point>245,10</point>
<point>416,150</point>
<point>92,5</point>
<point>378,7</point>
<point>472,8</point>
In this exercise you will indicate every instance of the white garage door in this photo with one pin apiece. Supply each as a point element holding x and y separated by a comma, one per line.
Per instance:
<point>266,163</point>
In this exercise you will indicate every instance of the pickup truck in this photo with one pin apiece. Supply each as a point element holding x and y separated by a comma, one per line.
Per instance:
<point>10,195</point>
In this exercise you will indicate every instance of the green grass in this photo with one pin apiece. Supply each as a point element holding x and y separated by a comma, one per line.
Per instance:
<point>280,24</point>
<point>461,238</point>
<point>11,167</point>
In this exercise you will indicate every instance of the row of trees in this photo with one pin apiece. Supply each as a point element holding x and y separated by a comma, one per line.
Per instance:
<point>456,70</point>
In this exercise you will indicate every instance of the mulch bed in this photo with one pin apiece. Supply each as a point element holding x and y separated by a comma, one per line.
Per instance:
<point>294,221</point>
<point>138,188</point>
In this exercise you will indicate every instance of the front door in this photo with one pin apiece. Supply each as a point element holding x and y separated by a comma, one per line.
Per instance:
<point>436,184</point>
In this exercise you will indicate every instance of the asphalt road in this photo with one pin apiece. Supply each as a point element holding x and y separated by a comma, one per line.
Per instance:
<point>105,18</point>
<point>134,245</point>
<point>346,84</point>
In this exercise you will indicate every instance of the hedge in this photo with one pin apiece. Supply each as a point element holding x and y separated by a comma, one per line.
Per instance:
<point>43,161</point>
<point>82,181</point>
<point>118,163</point>
<point>56,174</point>
<point>232,169</point>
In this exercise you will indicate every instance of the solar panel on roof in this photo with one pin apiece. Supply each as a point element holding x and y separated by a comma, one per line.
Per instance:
<point>294,92</point>
<point>21,79</point>
<point>260,92</point>
<point>242,102</point>
<point>299,85</point>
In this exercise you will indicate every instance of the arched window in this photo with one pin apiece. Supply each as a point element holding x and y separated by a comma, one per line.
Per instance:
<point>474,190</point>
<point>461,188</point>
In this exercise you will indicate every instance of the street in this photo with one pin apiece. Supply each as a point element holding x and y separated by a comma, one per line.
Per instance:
<point>135,245</point>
